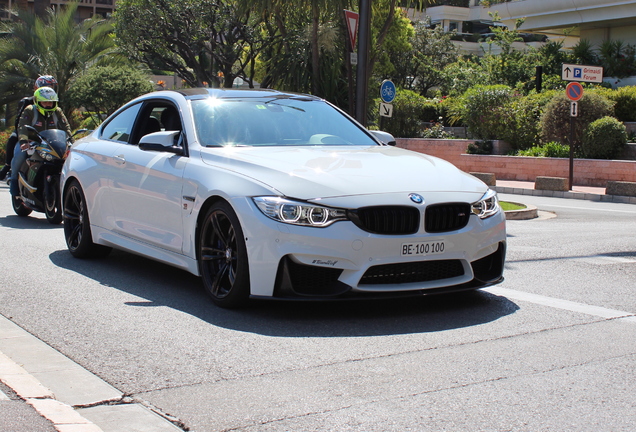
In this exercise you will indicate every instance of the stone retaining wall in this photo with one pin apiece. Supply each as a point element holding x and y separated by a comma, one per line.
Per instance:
<point>587,172</point>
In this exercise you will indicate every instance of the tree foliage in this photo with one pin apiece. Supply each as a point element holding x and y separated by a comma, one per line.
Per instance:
<point>203,41</point>
<point>421,67</point>
<point>55,45</point>
<point>482,109</point>
<point>555,121</point>
<point>104,89</point>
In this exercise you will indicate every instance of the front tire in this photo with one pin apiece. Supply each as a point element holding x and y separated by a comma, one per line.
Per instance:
<point>19,207</point>
<point>77,227</point>
<point>52,204</point>
<point>222,257</point>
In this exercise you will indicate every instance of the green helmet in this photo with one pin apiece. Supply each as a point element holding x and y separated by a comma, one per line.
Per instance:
<point>45,94</point>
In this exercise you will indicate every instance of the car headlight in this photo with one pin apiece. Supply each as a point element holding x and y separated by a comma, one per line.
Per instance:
<point>487,206</point>
<point>298,213</point>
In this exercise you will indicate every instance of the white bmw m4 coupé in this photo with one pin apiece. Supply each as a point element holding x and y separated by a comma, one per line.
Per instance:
<point>267,194</point>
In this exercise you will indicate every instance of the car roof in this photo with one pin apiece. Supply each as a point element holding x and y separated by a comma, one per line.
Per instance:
<point>230,93</point>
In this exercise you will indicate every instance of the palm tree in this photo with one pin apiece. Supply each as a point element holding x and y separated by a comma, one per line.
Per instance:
<point>41,7</point>
<point>54,45</point>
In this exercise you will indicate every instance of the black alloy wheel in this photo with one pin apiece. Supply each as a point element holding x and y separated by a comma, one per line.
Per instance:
<point>77,229</point>
<point>223,257</point>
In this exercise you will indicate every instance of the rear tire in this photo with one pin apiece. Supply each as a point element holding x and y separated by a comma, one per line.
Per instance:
<point>223,257</point>
<point>19,207</point>
<point>77,227</point>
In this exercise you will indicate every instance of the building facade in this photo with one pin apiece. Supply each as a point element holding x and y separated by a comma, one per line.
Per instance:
<point>86,9</point>
<point>567,20</point>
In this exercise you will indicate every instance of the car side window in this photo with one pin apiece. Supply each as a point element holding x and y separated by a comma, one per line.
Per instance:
<point>158,116</point>
<point>120,127</point>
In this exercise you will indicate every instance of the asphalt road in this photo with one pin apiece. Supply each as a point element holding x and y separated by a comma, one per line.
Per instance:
<point>552,348</point>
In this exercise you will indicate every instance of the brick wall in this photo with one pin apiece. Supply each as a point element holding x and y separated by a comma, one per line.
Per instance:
<point>587,172</point>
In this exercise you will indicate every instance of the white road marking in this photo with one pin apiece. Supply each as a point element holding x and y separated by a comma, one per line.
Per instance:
<point>3,397</point>
<point>604,210</point>
<point>562,304</point>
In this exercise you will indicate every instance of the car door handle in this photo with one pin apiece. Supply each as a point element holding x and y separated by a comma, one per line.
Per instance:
<point>120,159</point>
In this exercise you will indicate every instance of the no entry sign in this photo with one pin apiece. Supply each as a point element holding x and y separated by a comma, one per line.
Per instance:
<point>574,91</point>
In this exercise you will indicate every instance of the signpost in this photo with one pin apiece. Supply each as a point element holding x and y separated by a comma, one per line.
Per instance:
<point>387,94</point>
<point>352,19</point>
<point>386,110</point>
<point>387,91</point>
<point>574,92</point>
<point>582,73</point>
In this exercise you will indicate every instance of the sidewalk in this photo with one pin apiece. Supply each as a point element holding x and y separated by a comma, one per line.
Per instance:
<point>590,193</point>
<point>53,393</point>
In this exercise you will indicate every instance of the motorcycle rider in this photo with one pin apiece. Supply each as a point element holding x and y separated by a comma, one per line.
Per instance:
<point>42,115</point>
<point>43,81</point>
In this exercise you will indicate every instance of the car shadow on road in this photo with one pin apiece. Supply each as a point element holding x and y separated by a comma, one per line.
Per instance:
<point>162,285</point>
<point>33,221</point>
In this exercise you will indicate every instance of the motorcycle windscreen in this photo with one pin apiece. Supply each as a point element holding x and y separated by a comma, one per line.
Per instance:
<point>56,139</point>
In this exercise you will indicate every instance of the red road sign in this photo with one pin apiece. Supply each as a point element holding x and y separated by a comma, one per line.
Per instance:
<point>574,91</point>
<point>352,19</point>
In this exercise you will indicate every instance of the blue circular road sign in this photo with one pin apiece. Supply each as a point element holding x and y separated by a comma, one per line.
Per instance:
<point>387,91</point>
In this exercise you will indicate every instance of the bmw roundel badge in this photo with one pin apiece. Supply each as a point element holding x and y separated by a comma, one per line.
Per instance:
<point>416,198</point>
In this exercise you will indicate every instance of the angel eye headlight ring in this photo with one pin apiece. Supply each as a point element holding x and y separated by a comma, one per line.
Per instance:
<point>487,206</point>
<point>298,212</point>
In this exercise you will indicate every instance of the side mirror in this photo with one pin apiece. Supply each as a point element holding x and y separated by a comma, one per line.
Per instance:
<point>384,137</point>
<point>81,131</point>
<point>161,142</point>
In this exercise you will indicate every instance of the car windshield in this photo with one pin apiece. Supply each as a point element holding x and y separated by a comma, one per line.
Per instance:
<point>294,121</point>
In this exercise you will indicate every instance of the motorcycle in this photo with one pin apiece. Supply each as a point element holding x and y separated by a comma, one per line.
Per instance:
<point>39,175</point>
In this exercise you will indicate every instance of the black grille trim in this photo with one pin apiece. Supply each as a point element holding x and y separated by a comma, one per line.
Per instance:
<point>446,217</point>
<point>421,271</point>
<point>389,220</point>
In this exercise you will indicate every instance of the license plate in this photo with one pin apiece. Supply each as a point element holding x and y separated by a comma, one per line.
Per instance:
<point>423,248</point>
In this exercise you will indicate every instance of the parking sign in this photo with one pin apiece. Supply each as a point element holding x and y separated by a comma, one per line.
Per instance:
<point>583,73</point>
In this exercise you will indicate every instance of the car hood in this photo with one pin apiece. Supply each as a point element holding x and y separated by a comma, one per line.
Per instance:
<point>333,171</point>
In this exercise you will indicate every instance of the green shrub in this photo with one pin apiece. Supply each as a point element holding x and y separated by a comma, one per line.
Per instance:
<point>551,149</point>
<point>555,121</point>
<point>522,119</point>
<point>604,138</point>
<point>482,109</point>
<point>625,103</point>
<point>480,147</point>
<point>410,110</point>
<point>436,131</point>
<point>4,137</point>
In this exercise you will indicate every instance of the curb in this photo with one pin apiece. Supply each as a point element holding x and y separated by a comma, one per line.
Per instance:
<point>530,212</point>
<point>569,194</point>
<point>68,395</point>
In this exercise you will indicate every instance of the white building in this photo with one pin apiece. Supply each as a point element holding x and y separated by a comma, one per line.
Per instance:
<point>594,20</point>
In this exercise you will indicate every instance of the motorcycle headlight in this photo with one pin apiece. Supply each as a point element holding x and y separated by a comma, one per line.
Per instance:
<point>45,155</point>
<point>298,213</point>
<point>487,206</point>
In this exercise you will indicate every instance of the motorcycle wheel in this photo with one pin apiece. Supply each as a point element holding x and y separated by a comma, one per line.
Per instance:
<point>77,227</point>
<point>19,207</point>
<point>52,207</point>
